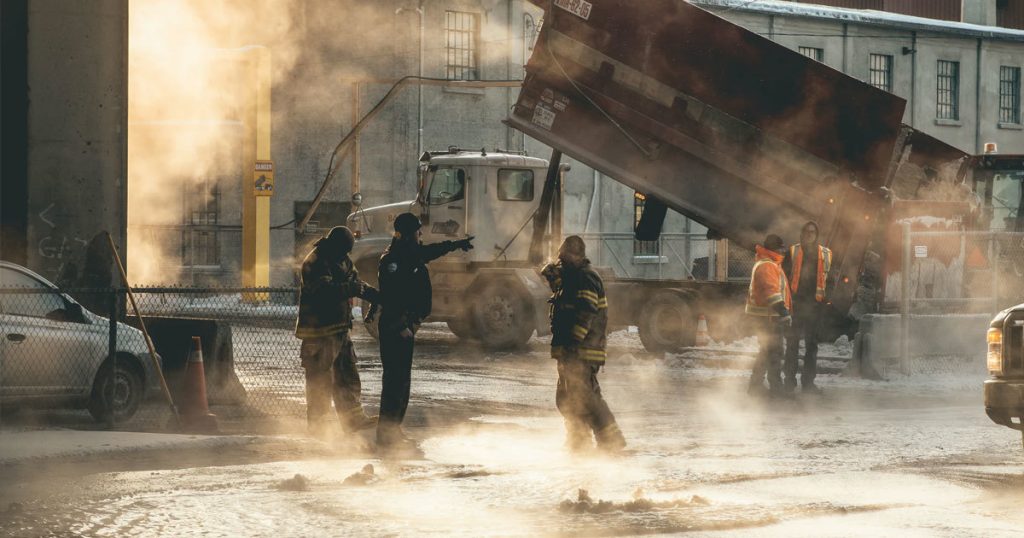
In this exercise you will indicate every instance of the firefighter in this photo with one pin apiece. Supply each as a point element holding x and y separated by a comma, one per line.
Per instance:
<point>768,306</point>
<point>579,321</point>
<point>405,299</point>
<point>806,266</point>
<point>326,284</point>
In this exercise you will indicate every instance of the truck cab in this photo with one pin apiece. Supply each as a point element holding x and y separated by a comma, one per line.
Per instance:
<point>999,182</point>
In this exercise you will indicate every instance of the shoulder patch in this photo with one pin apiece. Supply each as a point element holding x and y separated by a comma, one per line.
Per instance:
<point>392,267</point>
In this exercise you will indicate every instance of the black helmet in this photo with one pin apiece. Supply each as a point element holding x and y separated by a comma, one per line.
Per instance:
<point>340,238</point>
<point>774,242</point>
<point>407,224</point>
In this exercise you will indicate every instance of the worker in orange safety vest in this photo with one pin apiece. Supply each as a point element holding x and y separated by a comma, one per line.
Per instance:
<point>806,266</point>
<point>768,308</point>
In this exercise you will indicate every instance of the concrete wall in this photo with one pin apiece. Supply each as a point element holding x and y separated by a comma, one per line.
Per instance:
<point>77,74</point>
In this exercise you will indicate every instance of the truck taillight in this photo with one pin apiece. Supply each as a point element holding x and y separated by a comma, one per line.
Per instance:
<point>995,351</point>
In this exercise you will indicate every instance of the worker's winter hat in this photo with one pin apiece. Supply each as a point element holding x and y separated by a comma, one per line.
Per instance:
<point>339,237</point>
<point>574,245</point>
<point>773,242</point>
<point>407,224</point>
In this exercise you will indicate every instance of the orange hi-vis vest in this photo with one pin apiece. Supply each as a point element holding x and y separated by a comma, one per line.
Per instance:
<point>796,254</point>
<point>768,285</point>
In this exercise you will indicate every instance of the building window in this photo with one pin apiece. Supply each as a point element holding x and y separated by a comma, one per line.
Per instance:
<point>813,53</point>
<point>880,72</point>
<point>462,31</point>
<point>1009,94</point>
<point>200,245</point>
<point>642,248</point>
<point>947,96</point>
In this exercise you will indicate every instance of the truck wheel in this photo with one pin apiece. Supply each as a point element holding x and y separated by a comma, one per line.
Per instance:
<point>502,316</point>
<point>120,396</point>
<point>463,328</point>
<point>667,323</point>
<point>372,328</point>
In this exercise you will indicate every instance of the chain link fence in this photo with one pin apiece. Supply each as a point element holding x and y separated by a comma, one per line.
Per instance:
<point>64,362</point>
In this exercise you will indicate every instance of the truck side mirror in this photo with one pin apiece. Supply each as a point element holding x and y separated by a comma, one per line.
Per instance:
<point>357,200</point>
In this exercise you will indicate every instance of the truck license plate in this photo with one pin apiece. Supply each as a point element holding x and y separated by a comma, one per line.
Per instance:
<point>580,8</point>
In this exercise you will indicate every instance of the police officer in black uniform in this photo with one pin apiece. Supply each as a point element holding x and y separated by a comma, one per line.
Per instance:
<point>405,299</point>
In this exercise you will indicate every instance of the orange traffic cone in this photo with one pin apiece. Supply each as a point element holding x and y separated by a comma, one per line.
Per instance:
<point>703,338</point>
<point>195,411</point>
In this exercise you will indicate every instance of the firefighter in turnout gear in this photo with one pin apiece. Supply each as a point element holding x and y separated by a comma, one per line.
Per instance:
<point>327,283</point>
<point>579,322</point>
<point>405,299</point>
<point>806,266</point>
<point>768,308</point>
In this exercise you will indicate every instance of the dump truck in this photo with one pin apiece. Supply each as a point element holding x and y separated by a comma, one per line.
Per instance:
<point>494,293</point>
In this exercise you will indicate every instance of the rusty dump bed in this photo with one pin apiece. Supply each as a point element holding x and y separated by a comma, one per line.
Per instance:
<point>722,125</point>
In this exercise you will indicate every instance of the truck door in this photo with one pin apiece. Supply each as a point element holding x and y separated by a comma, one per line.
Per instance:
<point>444,216</point>
<point>511,198</point>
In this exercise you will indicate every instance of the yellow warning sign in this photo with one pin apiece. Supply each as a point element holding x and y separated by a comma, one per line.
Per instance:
<point>263,178</point>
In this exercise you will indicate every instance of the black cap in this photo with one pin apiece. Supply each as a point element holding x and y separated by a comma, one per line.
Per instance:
<point>773,242</point>
<point>340,237</point>
<point>407,224</point>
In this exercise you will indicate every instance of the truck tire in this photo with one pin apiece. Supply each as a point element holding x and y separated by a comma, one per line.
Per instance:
<point>502,316</point>
<point>667,323</point>
<point>462,328</point>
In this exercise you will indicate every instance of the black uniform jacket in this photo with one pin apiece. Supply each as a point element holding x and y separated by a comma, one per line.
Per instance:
<point>405,293</point>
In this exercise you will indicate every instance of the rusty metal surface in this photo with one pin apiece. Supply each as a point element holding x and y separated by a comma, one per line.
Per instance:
<point>724,126</point>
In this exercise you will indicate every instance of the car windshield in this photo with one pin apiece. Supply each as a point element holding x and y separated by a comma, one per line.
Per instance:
<point>447,186</point>
<point>37,305</point>
<point>1007,199</point>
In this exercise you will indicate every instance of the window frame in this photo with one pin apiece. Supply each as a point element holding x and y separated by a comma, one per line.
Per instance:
<point>45,290</point>
<point>947,96</point>
<point>462,45</point>
<point>433,178</point>
<point>533,185</point>
<point>880,76</point>
<point>201,229</point>
<point>1009,95</point>
<point>642,249</point>
<point>815,53</point>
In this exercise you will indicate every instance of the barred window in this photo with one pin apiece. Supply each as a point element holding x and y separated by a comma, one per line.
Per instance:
<point>462,31</point>
<point>813,53</point>
<point>880,72</point>
<point>642,248</point>
<point>1009,94</point>
<point>947,86</point>
<point>200,245</point>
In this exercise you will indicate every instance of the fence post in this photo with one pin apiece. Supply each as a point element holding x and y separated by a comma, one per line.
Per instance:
<point>994,250</point>
<point>112,353</point>
<point>905,301</point>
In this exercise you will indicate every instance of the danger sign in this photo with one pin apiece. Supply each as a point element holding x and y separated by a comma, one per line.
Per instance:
<point>263,178</point>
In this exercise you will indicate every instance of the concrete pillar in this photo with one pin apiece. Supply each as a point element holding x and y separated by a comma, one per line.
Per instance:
<point>980,12</point>
<point>77,131</point>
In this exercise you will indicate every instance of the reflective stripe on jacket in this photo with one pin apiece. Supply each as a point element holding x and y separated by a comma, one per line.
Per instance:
<point>796,254</point>
<point>768,285</point>
<point>579,316</point>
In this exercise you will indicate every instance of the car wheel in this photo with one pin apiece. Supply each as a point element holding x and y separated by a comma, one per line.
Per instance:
<point>667,324</point>
<point>116,395</point>
<point>502,316</point>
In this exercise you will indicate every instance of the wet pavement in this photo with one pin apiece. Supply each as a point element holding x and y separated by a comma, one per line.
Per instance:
<point>913,456</point>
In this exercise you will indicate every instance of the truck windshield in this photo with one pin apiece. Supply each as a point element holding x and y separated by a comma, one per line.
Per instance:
<point>448,185</point>
<point>1007,201</point>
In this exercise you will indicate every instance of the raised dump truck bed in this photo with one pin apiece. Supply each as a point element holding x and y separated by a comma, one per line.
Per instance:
<point>718,123</point>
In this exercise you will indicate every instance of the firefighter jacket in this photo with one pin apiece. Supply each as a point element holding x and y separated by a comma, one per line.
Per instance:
<point>405,291</point>
<point>793,265</point>
<point>769,292</point>
<point>325,286</point>
<point>579,315</point>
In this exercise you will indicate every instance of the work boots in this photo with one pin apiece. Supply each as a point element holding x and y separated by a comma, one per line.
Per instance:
<point>359,421</point>
<point>610,439</point>
<point>393,443</point>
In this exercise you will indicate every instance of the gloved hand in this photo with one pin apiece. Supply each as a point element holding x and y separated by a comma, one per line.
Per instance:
<point>552,272</point>
<point>785,321</point>
<point>464,244</point>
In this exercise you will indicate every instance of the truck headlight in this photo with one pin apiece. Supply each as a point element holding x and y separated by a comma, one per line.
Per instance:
<point>995,351</point>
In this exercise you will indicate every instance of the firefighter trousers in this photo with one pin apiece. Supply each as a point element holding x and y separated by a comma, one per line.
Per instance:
<point>769,355</point>
<point>805,326</point>
<point>331,373</point>
<point>578,398</point>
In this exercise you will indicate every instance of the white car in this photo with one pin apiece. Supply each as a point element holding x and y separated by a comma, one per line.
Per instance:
<point>55,353</point>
